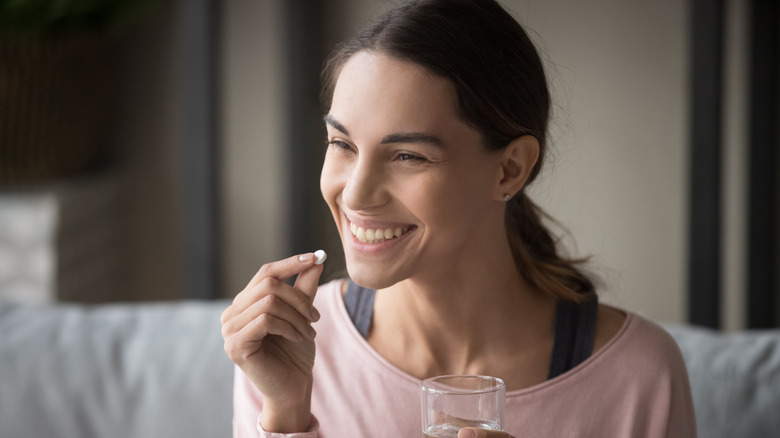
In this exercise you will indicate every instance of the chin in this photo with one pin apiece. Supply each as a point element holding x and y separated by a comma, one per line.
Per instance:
<point>370,278</point>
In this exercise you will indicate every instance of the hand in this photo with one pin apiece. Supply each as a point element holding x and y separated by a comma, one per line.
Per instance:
<point>268,334</point>
<point>473,432</point>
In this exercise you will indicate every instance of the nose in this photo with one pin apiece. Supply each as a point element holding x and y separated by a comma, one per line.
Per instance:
<point>365,186</point>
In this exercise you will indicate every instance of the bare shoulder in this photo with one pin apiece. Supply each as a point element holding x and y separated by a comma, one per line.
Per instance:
<point>608,324</point>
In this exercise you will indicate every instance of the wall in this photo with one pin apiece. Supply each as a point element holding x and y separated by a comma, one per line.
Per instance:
<point>735,140</point>
<point>147,136</point>
<point>253,138</point>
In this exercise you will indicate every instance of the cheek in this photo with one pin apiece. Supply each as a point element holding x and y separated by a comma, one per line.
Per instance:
<point>331,180</point>
<point>454,198</point>
<point>435,201</point>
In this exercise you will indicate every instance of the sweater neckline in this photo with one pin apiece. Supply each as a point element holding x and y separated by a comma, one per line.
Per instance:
<point>379,360</point>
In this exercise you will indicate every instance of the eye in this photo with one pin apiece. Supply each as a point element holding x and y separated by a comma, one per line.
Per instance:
<point>405,156</point>
<point>339,144</point>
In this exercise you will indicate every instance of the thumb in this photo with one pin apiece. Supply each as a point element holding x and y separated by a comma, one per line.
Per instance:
<point>308,280</point>
<point>466,432</point>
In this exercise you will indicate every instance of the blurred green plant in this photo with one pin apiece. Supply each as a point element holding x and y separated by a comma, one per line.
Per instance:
<point>44,17</point>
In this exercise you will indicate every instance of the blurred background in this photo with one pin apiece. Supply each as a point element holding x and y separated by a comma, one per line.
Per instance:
<point>166,149</point>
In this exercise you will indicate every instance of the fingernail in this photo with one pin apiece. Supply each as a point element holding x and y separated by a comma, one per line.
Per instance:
<point>304,258</point>
<point>315,315</point>
<point>467,433</point>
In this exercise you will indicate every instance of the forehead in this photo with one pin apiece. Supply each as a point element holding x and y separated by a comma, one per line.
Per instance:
<point>376,89</point>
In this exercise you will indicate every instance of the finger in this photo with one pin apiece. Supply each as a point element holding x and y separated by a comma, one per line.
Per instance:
<point>274,326</point>
<point>284,269</point>
<point>473,432</point>
<point>270,276</point>
<point>308,280</point>
<point>246,297</point>
<point>246,342</point>
<point>274,306</point>
<point>292,296</point>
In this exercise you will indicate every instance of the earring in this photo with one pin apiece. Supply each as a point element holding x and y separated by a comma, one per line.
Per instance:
<point>507,197</point>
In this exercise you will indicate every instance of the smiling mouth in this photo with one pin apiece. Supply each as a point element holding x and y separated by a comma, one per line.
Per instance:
<point>377,235</point>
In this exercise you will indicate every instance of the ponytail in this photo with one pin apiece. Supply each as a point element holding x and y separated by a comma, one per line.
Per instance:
<point>536,253</point>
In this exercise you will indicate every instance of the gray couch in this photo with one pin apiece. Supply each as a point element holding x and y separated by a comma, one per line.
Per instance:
<point>114,371</point>
<point>158,370</point>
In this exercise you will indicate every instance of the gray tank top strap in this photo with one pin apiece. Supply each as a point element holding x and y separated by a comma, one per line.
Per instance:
<point>359,302</point>
<point>575,329</point>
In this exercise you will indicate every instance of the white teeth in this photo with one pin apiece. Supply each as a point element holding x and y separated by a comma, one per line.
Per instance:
<point>375,235</point>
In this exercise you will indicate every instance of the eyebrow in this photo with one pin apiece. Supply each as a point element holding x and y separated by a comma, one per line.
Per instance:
<point>413,137</point>
<point>334,123</point>
<point>410,137</point>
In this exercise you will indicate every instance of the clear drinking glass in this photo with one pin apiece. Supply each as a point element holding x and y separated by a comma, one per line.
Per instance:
<point>452,402</point>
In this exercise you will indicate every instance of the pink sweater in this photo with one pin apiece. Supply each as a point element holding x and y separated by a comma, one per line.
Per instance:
<point>635,386</point>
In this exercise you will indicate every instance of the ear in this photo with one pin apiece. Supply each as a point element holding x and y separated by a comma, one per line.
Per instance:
<point>517,161</point>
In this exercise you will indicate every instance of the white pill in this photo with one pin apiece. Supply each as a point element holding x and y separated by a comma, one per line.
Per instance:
<point>319,257</point>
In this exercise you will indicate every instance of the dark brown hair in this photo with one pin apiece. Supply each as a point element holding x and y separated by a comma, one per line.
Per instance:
<point>502,92</point>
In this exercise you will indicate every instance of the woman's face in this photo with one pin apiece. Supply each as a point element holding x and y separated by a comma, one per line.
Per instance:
<point>410,186</point>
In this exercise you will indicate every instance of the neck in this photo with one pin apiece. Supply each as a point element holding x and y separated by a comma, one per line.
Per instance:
<point>456,321</point>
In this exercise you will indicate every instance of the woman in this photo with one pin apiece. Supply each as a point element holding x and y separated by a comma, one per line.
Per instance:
<point>437,123</point>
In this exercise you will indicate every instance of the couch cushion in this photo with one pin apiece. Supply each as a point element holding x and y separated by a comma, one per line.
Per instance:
<point>735,380</point>
<point>131,370</point>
